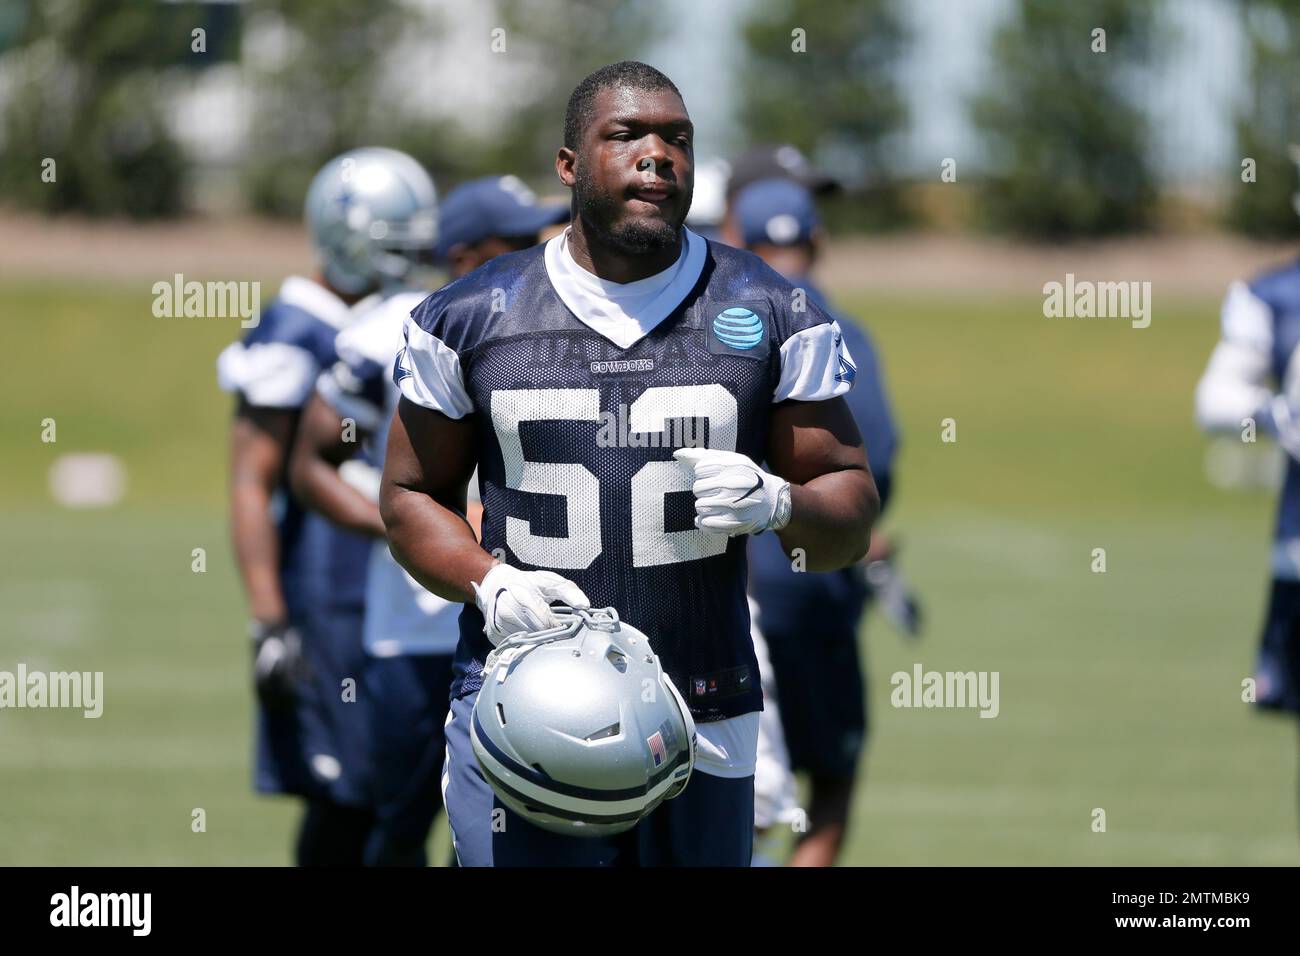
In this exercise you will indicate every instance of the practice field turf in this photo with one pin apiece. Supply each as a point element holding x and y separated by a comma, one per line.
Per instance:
<point>1119,691</point>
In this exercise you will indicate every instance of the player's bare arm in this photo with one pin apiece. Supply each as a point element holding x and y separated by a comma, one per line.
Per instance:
<point>816,447</point>
<point>314,476</point>
<point>422,500</point>
<point>259,445</point>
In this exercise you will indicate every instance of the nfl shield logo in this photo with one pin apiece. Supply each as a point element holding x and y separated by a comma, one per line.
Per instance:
<point>657,749</point>
<point>700,687</point>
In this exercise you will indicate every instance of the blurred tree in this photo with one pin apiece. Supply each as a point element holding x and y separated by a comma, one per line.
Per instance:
<point>323,90</point>
<point>1268,120</point>
<point>1063,121</point>
<point>315,67</point>
<point>561,41</point>
<point>821,74</point>
<point>87,94</point>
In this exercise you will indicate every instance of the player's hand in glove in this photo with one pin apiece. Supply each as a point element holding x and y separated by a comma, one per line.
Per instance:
<point>512,600</point>
<point>733,495</point>
<point>896,600</point>
<point>278,664</point>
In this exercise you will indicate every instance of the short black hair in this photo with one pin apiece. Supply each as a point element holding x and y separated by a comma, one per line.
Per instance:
<point>629,74</point>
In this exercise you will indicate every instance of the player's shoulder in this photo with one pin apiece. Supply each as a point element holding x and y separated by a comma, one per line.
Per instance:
<point>376,335</point>
<point>740,272</point>
<point>1278,287</point>
<point>304,314</point>
<point>461,313</point>
<point>743,281</point>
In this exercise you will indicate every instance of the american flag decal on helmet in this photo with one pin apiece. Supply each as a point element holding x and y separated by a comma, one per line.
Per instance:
<point>657,749</point>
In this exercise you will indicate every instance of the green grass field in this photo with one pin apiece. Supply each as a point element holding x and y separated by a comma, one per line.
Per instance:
<point>1119,691</point>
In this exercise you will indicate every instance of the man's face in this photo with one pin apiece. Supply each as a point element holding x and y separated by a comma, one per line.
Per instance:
<point>634,170</point>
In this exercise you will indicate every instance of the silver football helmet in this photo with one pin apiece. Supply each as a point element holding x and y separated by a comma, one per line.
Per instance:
<point>578,729</point>
<point>372,215</point>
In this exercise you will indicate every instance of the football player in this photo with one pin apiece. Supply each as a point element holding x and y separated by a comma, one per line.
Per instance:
<point>409,633</point>
<point>810,620</point>
<point>568,375</point>
<point>303,576</point>
<point>1252,382</point>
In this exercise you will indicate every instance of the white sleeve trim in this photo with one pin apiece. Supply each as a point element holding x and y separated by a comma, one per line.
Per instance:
<point>269,374</point>
<point>1235,385</point>
<point>1247,319</point>
<point>811,364</point>
<point>1232,388</point>
<point>430,374</point>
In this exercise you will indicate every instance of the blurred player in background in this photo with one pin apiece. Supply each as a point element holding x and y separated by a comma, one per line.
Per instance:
<point>1253,382</point>
<point>410,634</point>
<point>811,620</point>
<point>774,784</point>
<point>370,213</point>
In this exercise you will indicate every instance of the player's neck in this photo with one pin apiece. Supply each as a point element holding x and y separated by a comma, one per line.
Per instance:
<point>614,265</point>
<point>349,298</point>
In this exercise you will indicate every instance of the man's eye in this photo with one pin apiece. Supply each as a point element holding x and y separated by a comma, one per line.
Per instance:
<point>623,136</point>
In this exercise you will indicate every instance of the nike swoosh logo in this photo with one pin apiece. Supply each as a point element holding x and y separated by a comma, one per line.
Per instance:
<point>750,491</point>
<point>495,598</point>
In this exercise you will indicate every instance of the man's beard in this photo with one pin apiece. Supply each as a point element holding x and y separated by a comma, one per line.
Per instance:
<point>637,237</point>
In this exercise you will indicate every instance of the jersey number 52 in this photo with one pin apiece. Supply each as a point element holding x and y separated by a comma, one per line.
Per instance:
<point>652,543</point>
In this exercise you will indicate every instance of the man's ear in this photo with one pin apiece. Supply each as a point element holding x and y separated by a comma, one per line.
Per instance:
<point>566,162</point>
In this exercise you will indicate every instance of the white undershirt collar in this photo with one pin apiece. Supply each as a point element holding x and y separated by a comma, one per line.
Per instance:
<point>623,312</point>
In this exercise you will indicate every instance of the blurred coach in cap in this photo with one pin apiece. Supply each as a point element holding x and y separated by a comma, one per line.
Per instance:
<point>811,620</point>
<point>778,161</point>
<point>484,218</point>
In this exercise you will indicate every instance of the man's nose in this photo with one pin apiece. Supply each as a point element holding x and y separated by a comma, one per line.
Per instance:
<point>654,157</point>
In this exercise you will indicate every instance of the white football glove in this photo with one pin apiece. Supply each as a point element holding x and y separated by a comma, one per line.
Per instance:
<point>1286,425</point>
<point>733,495</point>
<point>512,600</point>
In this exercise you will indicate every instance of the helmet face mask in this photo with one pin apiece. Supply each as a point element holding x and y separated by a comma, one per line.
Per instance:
<point>372,217</point>
<point>578,730</point>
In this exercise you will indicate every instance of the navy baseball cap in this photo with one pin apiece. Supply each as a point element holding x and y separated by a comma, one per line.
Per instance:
<point>776,211</point>
<point>780,161</point>
<point>492,206</point>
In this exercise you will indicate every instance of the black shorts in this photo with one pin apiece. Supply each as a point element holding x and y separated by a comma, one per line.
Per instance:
<point>319,747</point>
<point>1277,666</point>
<point>822,695</point>
<point>406,700</point>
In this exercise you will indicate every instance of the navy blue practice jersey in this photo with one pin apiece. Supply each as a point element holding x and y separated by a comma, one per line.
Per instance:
<point>1278,292</point>
<point>1258,356</point>
<point>276,366</point>
<point>576,435</point>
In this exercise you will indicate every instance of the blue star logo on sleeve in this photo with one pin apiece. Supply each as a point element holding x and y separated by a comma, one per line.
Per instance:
<point>847,371</point>
<point>399,367</point>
